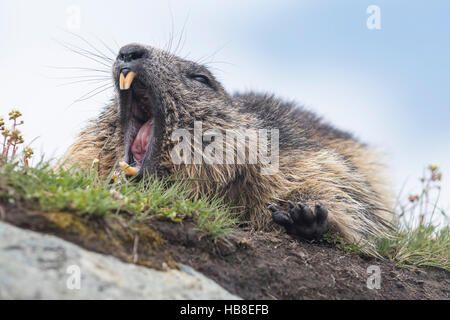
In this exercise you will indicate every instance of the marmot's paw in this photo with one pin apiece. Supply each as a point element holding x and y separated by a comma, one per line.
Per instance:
<point>301,221</point>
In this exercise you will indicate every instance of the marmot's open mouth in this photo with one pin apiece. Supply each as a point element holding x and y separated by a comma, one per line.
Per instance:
<point>141,118</point>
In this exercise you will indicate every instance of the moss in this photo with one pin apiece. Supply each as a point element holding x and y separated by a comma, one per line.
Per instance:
<point>110,236</point>
<point>149,236</point>
<point>336,240</point>
<point>70,223</point>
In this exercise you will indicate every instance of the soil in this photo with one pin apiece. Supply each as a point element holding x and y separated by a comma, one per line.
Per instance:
<point>252,265</point>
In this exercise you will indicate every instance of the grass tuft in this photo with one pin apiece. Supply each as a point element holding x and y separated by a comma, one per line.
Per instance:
<point>420,240</point>
<point>423,246</point>
<point>83,192</point>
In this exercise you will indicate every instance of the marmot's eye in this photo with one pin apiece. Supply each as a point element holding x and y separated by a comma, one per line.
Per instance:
<point>201,78</point>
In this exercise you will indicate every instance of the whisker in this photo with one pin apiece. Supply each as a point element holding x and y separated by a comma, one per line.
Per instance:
<point>205,58</point>
<point>220,62</point>
<point>181,35</point>
<point>99,87</point>
<point>82,81</point>
<point>172,27</point>
<point>117,44</point>
<point>80,77</point>
<point>90,45</point>
<point>81,53</point>
<point>79,68</point>
<point>106,46</point>
<point>186,56</point>
<point>85,51</point>
<point>93,94</point>
<point>75,47</point>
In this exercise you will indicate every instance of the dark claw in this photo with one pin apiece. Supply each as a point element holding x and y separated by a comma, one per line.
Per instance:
<point>321,213</point>
<point>282,219</point>
<point>294,212</point>
<point>305,213</point>
<point>301,221</point>
<point>291,204</point>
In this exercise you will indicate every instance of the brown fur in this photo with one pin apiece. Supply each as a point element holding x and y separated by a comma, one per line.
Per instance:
<point>318,163</point>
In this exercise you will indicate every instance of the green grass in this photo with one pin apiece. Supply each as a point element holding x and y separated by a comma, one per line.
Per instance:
<point>425,245</point>
<point>336,240</point>
<point>419,240</point>
<point>83,192</point>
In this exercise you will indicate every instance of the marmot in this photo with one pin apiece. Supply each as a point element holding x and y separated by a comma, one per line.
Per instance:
<point>326,179</point>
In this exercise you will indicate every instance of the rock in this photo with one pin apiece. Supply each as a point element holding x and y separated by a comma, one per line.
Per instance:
<point>37,266</point>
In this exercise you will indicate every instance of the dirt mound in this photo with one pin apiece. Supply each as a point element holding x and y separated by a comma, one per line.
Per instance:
<point>252,265</point>
<point>273,266</point>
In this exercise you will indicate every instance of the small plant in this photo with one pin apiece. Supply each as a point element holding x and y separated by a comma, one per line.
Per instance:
<point>419,240</point>
<point>12,138</point>
<point>423,205</point>
<point>336,240</point>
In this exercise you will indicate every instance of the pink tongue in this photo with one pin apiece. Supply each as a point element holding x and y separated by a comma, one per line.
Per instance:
<point>140,144</point>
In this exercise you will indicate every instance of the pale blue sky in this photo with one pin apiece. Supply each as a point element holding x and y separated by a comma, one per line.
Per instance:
<point>390,87</point>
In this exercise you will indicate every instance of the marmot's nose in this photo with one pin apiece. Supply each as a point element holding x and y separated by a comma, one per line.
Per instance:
<point>132,52</point>
<point>129,63</point>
